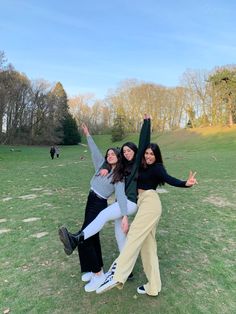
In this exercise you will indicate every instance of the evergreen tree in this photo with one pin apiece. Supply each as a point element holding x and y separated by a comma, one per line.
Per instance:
<point>118,130</point>
<point>71,135</point>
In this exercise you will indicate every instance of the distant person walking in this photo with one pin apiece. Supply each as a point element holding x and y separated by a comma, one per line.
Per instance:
<point>57,151</point>
<point>52,152</point>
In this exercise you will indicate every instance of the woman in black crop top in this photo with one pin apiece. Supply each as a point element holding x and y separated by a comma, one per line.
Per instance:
<point>141,236</point>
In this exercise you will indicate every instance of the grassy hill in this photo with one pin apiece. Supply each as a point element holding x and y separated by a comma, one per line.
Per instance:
<point>198,138</point>
<point>196,234</point>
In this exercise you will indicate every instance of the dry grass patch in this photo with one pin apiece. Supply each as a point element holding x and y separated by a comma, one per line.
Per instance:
<point>40,234</point>
<point>4,230</point>
<point>218,201</point>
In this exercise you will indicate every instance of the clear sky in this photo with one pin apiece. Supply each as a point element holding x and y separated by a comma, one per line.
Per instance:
<point>93,45</point>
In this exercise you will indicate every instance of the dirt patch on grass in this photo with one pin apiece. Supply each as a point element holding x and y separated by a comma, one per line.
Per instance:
<point>44,204</point>
<point>3,220</point>
<point>6,199</point>
<point>47,192</point>
<point>31,219</point>
<point>40,234</point>
<point>28,197</point>
<point>217,201</point>
<point>161,190</point>
<point>4,230</point>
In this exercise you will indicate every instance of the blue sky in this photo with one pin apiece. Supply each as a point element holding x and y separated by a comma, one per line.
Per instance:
<point>93,45</point>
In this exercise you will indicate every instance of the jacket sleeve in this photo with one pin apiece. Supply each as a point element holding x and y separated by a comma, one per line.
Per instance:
<point>97,156</point>
<point>144,140</point>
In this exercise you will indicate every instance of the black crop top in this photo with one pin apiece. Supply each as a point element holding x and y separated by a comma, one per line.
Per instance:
<point>152,176</point>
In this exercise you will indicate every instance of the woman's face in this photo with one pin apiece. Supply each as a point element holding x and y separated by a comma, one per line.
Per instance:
<point>149,156</point>
<point>128,153</point>
<point>111,157</point>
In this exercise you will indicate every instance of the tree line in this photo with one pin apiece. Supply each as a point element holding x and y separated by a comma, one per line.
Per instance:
<point>33,112</point>
<point>37,112</point>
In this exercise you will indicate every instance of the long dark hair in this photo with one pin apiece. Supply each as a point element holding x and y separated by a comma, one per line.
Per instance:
<point>118,171</point>
<point>157,153</point>
<point>128,164</point>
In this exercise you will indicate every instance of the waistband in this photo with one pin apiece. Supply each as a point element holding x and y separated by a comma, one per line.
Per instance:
<point>96,194</point>
<point>146,193</point>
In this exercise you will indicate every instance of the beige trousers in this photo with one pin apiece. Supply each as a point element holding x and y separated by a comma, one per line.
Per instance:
<point>141,238</point>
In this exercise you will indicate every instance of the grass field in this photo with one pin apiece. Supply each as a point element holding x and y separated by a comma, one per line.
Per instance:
<point>196,235</point>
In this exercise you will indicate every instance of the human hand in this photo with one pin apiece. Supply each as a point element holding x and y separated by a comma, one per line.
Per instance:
<point>103,172</point>
<point>85,129</point>
<point>125,224</point>
<point>191,179</point>
<point>146,116</point>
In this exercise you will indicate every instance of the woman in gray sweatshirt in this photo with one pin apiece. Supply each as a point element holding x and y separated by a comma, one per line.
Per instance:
<point>101,187</point>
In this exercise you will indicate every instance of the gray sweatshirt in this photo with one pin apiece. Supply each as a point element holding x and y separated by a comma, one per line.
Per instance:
<point>102,184</point>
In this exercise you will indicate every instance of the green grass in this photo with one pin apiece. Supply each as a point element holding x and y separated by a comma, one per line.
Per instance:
<point>196,235</point>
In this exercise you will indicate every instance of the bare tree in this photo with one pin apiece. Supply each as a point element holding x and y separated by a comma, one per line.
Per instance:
<point>197,94</point>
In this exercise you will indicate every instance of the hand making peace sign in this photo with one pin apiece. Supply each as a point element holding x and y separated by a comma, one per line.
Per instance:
<point>191,179</point>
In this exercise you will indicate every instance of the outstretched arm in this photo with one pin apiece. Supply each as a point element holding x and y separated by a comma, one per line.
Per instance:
<point>85,129</point>
<point>144,137</point>
<point>97,156</point>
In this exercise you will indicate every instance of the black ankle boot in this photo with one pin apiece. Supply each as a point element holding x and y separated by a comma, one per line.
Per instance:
<point>73,240</point>
<point>69,241</point>
<point>79,237</point>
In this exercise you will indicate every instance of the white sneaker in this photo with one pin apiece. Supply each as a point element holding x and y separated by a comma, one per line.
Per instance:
<point>95,282</point>
<point>108,284</point>
<point>111,270</point>
<point>141,290</point>
<point>87,276</point>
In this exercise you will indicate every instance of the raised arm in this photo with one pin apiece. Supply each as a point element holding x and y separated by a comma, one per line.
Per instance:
<point>144,137</point>
<point>96,154</point>
<point>144,140</point>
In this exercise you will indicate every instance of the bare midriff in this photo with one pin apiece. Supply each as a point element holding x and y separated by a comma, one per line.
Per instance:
<point>140,191</point>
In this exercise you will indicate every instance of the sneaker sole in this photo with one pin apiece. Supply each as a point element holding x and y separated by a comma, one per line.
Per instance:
<point>63,235</point>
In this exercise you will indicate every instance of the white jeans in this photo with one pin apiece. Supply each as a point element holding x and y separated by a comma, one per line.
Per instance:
<point>111,212</point>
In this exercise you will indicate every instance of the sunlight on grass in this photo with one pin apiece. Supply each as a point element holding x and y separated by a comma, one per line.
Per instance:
<point>196,235</point>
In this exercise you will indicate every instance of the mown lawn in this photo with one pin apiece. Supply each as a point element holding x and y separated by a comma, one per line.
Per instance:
<point>196,235</point>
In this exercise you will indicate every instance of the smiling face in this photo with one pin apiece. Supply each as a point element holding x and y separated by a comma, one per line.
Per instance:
<point>111,157</point>
<point>128,153</point>
<point>149,156</point>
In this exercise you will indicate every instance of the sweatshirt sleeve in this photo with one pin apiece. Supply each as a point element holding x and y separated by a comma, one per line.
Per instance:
<point>162,173</point>
<point>121,197</point>
<point>97,156</point>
